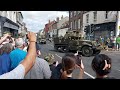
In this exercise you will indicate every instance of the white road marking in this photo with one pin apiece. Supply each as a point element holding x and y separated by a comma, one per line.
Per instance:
<point>118,69</point>
<point>89,75</point>
<point>58,56</point>
<point>84,71</point>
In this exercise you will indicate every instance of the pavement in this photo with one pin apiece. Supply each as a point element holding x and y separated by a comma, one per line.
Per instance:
<point>89,73</point>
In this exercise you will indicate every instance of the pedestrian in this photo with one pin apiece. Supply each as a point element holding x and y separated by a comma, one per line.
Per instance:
<point>101,65</point>
<point>118,42</point>
<point>101,41</point>
<point>65,69</point>
<point>41,69</point>
<point>17,55</point>
<point>107,43</point>
<point>5,61</point>
<point>25,47</point>
<point>113,39</point>
<point>52,63</point>
<point>22,69</point>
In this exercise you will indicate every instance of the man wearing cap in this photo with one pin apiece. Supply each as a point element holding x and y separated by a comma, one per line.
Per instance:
<point>41,69</point>
<point>18,54</point>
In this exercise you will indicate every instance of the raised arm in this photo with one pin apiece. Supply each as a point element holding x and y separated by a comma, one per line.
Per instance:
<point>4,38</point>
<point>29,61</point>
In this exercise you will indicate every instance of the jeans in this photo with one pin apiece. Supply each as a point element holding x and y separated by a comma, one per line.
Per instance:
<point>118,45</point>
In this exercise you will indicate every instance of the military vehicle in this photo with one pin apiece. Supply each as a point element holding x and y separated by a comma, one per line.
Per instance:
<point>73,40</point>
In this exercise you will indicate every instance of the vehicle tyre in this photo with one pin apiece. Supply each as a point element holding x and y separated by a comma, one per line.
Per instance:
<point>65,49</point>
<point>87,51</point>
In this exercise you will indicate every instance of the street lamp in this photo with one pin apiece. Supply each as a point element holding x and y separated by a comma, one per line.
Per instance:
<point>118,23</point>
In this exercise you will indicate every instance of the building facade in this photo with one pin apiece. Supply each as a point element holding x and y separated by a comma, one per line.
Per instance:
<point>62,25</point>
<point>76,20</point>
<point>19,20</point>
<point>8,22</point>
<point>99,23</point>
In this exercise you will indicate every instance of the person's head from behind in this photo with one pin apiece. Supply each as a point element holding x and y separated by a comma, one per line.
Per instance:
<point>68,65</point>
<point>101,64</point>
<point>6,48</point>
<point>19,43</point>
<point>38,53</point>
<point>38,49</point>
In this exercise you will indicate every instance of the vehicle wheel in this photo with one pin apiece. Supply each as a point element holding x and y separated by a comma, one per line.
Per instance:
<point>65,49</point>
<point>87,51</point>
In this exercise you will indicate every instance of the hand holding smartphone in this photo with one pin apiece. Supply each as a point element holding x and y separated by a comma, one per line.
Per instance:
<point>78,58</point>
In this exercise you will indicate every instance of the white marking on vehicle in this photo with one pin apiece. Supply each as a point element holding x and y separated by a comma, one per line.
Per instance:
<point>84,71</point>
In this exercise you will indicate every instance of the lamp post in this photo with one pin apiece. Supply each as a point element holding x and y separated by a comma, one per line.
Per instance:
<point>118,23</point>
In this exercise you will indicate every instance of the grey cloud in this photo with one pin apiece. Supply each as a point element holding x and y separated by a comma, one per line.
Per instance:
<point>35,20</point>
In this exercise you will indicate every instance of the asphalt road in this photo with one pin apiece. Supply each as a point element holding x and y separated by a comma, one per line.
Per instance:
<point>89,73</point>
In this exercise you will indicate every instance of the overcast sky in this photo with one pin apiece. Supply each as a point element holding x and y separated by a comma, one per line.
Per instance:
<point>36,20</point>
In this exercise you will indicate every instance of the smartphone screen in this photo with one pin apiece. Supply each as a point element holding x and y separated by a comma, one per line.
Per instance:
<point>78,59</point>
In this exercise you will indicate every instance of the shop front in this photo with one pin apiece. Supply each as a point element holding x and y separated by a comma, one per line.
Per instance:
<point>105,30</point>
<point>8,25</point>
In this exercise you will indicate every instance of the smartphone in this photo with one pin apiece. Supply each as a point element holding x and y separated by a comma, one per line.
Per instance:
<point>78,59</point>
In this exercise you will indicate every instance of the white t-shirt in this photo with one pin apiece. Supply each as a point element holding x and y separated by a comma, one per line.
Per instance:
<point>17,73</point>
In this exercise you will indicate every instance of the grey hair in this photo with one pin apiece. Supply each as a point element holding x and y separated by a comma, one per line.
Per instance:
<point>6,48</point>
<point>19,42</point>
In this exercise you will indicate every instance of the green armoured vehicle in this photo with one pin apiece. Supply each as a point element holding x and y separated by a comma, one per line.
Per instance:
<point>73,41</point>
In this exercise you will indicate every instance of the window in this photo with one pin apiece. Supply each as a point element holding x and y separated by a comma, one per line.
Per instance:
<point>74,13</point>
<point>71,25</point>
<point>106,14</point>
<point>79,12</point>
<point>95,16</point>
<point>71,14</point>
<point>87,18</point>
<point>74,24</point>
<point>78,23</point>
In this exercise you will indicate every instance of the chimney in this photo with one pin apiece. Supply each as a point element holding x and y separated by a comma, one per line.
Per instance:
<point>49,21</point>
<point>62,17</point>
<point>57,19</point>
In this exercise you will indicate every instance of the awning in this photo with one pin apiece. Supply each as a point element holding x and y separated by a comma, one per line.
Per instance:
<point>9,25</point>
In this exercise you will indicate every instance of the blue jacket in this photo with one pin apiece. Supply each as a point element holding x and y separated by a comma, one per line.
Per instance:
<point>5,63</point>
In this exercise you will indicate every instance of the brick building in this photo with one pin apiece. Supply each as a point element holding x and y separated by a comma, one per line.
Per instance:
<point>76,20</point>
